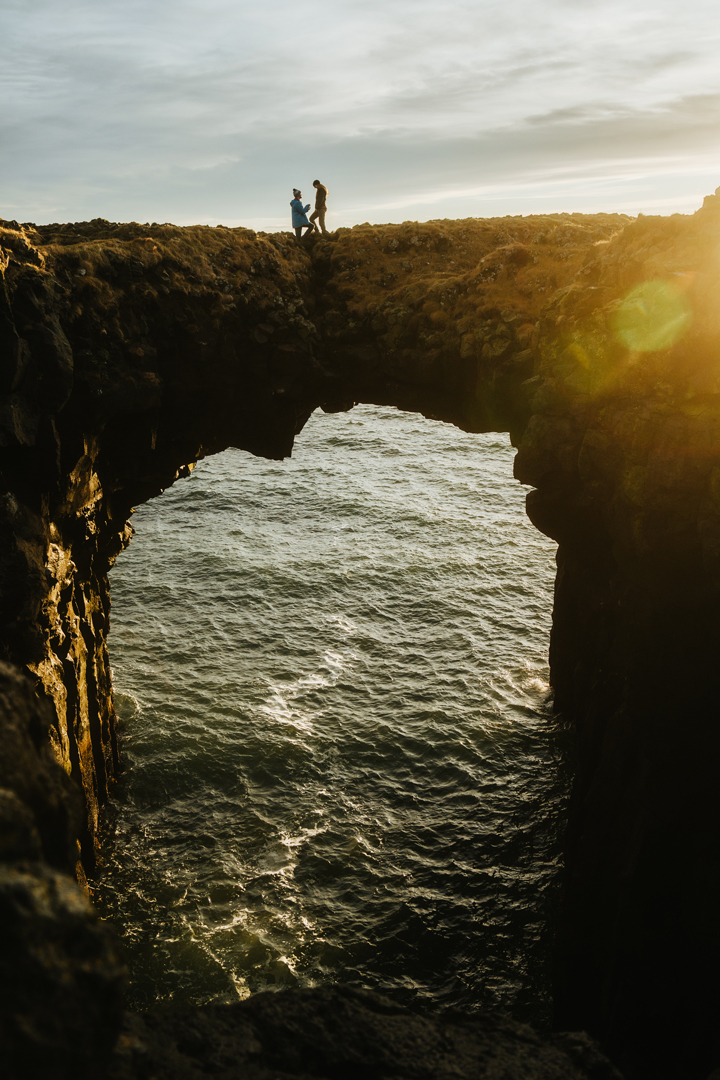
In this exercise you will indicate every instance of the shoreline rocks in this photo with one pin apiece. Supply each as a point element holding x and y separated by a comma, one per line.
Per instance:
<point>344,1032</point>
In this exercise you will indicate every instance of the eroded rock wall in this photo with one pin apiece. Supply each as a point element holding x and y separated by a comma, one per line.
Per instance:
<point>60,976</point>
<point>623,448</point>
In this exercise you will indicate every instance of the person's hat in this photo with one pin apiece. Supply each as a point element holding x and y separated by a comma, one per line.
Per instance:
<point>296,192</point>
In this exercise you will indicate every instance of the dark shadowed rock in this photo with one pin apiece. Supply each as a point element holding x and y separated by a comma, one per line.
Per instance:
<point>19,838</point>
<point>40,806</point>
<point>60,979</point>
<point>339,1033</point>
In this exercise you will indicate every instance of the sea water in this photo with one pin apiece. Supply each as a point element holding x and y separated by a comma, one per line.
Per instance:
<point>341,760</point>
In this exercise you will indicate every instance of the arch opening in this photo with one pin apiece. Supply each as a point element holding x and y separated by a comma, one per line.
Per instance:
<point>332,678</point>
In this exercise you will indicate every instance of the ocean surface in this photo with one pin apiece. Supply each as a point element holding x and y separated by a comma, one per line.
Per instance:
<point>341,762</point>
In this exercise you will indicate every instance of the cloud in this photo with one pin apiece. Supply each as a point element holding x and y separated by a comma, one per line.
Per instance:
<point>153,109</point>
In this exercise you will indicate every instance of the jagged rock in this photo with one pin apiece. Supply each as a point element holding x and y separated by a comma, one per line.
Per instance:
<point>60,979</point>
<point>19,837</point>
<point>336,1033</point>
<point>40,807</point>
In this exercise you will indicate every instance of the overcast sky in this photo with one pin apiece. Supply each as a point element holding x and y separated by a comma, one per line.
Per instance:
<point>213,110</point>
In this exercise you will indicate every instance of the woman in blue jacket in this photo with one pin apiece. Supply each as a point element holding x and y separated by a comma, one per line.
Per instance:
<point>299,215</point>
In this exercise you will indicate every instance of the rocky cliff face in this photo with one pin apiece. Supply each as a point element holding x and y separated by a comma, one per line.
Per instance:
<point>623,448</point>
<point>60,978</point>
<point>128,352</point>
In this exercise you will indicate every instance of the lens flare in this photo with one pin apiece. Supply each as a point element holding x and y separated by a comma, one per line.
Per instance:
<point>653,316</point>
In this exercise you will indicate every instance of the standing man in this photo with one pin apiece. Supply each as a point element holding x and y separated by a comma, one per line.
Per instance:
<point>320,205</point>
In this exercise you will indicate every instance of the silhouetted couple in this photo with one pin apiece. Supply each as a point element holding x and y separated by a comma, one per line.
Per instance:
<point>299,212</point>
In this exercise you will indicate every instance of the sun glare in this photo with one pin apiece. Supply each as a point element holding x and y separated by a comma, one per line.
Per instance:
<point>653,316</point>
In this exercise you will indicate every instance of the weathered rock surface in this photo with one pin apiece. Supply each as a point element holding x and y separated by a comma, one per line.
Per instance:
<point>338,1033</point>
<point>127,352</point>
<point>60,978</point>
<point>40,807</point>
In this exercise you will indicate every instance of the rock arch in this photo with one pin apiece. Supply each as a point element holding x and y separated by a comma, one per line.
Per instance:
<point>127,352</point>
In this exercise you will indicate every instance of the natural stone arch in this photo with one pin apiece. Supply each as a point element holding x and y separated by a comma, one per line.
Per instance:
<point>130,351</point>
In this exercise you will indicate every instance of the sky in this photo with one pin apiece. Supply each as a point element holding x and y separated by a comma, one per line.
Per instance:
<point>211,111</point>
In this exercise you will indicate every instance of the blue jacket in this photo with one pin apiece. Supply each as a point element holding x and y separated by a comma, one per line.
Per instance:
<point>299,213</point>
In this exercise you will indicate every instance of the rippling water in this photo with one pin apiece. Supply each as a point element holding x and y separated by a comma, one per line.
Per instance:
<point>331,676</point>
